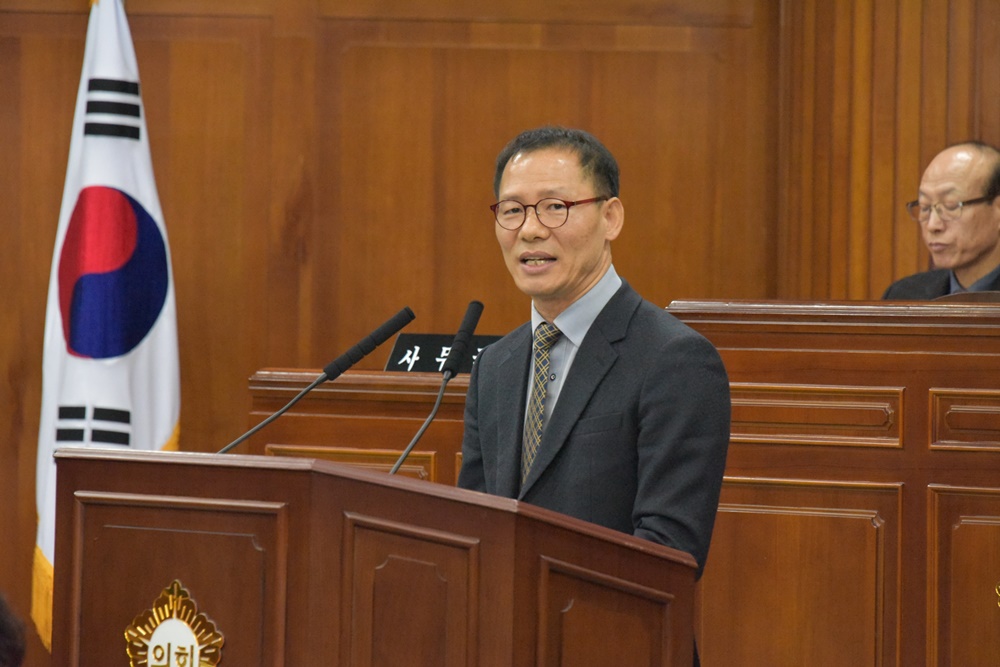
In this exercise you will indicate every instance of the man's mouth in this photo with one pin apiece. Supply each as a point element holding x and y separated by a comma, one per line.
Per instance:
<point>537,261</point>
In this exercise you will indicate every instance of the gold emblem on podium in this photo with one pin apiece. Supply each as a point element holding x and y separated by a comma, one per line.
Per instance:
<point>173,633</point>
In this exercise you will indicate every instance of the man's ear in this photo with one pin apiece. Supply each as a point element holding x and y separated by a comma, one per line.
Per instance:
<point>614,218</point>
<point>995,206</point>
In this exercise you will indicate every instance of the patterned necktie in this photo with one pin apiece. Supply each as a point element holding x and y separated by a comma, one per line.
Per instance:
<point>545,336</point>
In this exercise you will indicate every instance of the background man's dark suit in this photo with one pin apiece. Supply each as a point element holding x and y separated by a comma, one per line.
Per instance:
<point>924,286</point>
<point>637,440</point>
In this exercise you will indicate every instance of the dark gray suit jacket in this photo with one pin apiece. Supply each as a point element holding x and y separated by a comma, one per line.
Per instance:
<point>925,286</point>
<point>637,441</point>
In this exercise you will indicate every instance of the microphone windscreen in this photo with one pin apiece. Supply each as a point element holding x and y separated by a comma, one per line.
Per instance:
<point>460,346</point>
<point>369,343</point>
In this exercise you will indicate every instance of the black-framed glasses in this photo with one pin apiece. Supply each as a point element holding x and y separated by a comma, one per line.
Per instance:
<point>551,212</point>
<point>947,211</point>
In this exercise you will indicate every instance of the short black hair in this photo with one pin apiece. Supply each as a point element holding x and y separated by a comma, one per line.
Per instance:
<point>991,153</point>
<point>596,160</point>
<point>11,636</point>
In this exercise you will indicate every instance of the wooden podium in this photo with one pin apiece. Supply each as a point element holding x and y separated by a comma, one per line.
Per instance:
<point>300,562</point>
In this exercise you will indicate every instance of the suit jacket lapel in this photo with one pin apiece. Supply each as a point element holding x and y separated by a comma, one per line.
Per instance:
<point>512,372</point>
<point>593,360</point>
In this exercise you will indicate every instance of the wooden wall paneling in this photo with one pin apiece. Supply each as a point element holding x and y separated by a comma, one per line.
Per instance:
<point>870,92</point>
<point>833,55</point>
<point>670,204</point>
<point>870,226</point>
<point>961,69</point>
<point>823,101</point>
<point>161,7</point>
<point>207,134</point>
<point>390,225</point>
<point>934,81</point>
<point>802,573</point>
<point>796,88</point>
<point>709,218</point>
<point>881,210</point>
<point>294,261</point>
<point>16,374</point>
<point>39,77</point>
<point>987,84</point>
<point>842,135</point>
<point>756,122</point>
<point>412,167</point>
<point>906,250</point>
<point>686,12</point>
<point>860,191</point>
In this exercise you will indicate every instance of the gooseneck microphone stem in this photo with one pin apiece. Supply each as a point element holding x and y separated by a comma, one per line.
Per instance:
<point>318,381</point>
<point>423,427</point>
<point>457,354</point>
<point>338,366</point>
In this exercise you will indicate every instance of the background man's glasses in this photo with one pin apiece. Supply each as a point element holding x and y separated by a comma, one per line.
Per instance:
<point>551,212</point>
<point>947,211</point>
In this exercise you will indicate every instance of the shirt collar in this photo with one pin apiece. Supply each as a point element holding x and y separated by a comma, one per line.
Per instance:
<point>981,285</point>
<point>575,321</point>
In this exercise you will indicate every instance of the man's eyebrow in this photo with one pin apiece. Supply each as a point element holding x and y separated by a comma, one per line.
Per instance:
<point>923,193</point>
<point>558,193</point>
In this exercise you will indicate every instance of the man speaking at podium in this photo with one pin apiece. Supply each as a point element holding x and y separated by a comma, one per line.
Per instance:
<point>605,407</point>
<point>958,210</point>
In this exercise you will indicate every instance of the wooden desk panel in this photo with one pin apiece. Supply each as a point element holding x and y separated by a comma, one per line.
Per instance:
<point>886,414</point>
<point>362,418</point>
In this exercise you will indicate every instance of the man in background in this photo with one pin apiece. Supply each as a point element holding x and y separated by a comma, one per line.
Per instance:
<point>612,411</point>
<point>958,210</point>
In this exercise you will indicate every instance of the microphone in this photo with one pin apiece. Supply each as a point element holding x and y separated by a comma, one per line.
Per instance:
<point>460,346</point>
<point>338,366</point>
<point>456,355</point>
<point>366,345</point>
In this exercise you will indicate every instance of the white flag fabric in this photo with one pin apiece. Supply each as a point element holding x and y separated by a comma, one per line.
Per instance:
<point>110,375</point>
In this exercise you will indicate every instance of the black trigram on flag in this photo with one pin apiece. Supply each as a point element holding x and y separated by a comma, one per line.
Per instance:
<point>107,426</point>
<point>113,108</point>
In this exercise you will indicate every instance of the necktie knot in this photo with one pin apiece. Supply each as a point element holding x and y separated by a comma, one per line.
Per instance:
<point>545,336</point>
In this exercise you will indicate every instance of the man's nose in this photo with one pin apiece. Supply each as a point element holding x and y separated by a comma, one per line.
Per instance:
<point>934,220</point>
<point>531,210</point>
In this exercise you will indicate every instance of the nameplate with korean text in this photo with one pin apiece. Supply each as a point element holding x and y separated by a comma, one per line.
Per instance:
<point>426,353</point>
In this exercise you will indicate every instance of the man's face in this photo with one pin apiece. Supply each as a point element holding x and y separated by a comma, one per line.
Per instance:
<point>970,246</point>
<point>555,267</point>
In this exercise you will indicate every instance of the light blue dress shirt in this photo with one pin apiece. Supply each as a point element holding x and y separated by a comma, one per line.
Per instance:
<point>574,323</point>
